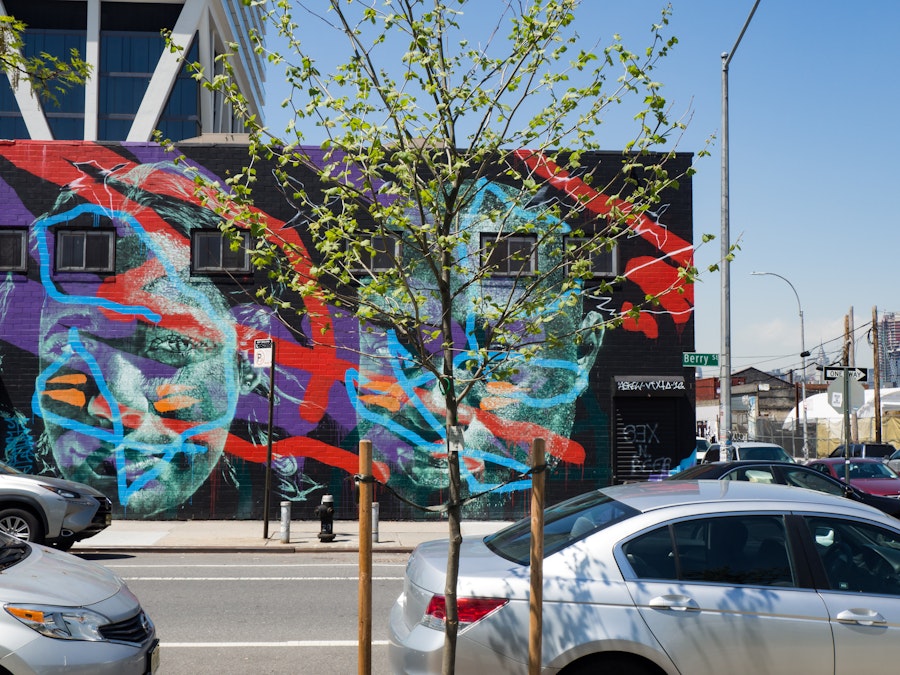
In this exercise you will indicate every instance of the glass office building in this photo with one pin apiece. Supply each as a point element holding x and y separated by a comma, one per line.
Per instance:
<point>137,85</point>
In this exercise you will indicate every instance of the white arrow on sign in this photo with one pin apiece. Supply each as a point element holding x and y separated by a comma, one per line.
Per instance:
<point>855,374</point>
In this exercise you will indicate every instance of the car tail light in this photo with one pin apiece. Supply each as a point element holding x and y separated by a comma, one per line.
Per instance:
<point>470,610</point>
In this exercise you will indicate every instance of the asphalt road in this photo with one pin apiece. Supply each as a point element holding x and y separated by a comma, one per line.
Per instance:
<point>232,613</point>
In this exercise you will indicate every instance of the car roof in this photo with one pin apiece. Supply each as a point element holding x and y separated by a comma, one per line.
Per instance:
<point>654,495</point>
<point>853,460</point>
<point>750,462</point>
<point>749,444</point>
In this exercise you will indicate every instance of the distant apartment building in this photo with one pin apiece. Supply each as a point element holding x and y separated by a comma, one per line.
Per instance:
<point>889,349</point>
<point>137,85</point>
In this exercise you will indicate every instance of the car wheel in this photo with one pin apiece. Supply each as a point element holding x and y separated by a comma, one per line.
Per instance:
<point>64,543</point>
<point>622,663</point>
<point>21,524</point>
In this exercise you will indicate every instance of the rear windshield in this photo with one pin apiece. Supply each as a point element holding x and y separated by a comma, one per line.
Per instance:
<point>765,453</point>
<point>564,524</point>
<point>879,450</point>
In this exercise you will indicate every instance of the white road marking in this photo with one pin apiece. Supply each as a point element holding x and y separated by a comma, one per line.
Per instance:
<point>256,567</point>
<point>287,643</point>
<point>127,578</point>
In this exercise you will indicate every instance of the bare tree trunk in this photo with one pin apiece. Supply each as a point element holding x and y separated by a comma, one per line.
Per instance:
<point>454,521</point>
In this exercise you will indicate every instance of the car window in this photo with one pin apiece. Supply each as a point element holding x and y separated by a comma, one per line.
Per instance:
<point>742,550</point>
<point>879,451</point>
<point>811,481</point>
<point>752,474</point>
<point>564,524</point>
<point>857,557</point>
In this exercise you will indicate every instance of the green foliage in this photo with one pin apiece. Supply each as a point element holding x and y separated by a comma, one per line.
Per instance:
<point>49,76</point>
<point>406,148</point>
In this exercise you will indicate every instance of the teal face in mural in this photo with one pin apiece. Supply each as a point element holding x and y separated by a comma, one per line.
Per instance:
<point>140,372</point>
<point>402,409</point>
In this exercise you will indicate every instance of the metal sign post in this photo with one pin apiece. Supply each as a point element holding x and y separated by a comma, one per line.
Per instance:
<point>844,395</point>
<point>264,356</point>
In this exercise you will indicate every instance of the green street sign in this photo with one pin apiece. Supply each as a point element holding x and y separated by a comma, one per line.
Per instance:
<point>695,360</point>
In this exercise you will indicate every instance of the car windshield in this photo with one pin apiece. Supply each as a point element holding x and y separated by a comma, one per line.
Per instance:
<point>564,524</point>
<point>870,470</point>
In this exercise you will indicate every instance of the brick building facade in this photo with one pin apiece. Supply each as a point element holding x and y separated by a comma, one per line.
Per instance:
<point>128,363</point>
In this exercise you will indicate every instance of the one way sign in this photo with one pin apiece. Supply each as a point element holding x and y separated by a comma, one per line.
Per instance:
<point>834,372</point>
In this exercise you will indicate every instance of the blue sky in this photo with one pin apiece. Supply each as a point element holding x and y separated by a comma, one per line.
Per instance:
<point>812,101</point>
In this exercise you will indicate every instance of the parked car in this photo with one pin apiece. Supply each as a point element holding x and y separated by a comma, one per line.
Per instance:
<point>64,614</point>
<point>877,450</point>
<point>748,450</point>
<point>894,461</point>
<point>869,475</point>
<point>700,448</point>
<point>788,473</point>
<point>49,510</point>
<point>699,577</point>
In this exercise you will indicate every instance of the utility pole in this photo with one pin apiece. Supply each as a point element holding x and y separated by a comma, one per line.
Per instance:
<point>725,429</point>
<point>875,353</point>
<point>851,352</point>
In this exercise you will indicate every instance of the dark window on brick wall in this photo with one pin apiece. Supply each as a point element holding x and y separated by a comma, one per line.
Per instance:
<point>510,255</point>
<point>211,252</point>
<point>84,250</point>
<point>603,263</point>
<point>386,253</point>
<point>12,250</point>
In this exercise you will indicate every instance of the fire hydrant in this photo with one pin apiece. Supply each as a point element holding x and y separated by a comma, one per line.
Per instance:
<point>325,511</point>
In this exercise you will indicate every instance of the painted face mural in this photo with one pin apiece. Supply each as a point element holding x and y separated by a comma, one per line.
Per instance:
<point>140,381</point>
<point>403,408</point>
<point>138,393</point>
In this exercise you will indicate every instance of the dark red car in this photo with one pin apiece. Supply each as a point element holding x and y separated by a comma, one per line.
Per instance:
<point>869,475</point>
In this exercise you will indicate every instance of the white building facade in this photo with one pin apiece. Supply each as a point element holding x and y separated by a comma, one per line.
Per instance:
<point>137,85</point>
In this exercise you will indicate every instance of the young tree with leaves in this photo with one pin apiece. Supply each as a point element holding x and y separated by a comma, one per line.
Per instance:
<point>49,76</point>
<point>435,227</point>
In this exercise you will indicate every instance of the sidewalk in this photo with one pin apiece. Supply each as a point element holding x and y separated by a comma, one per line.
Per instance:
<point>197,536</point>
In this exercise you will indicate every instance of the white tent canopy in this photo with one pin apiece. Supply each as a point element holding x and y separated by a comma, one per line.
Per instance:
<point>818,408</point>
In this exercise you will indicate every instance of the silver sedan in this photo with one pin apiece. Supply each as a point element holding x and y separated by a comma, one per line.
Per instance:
<point>62,614</point>
<point>689,577</point>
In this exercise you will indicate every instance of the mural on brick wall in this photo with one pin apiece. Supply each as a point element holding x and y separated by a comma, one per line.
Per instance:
<point>141,382</point>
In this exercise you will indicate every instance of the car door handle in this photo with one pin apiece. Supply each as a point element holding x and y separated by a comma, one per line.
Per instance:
<point>863,617</point>
<point>674,602</point>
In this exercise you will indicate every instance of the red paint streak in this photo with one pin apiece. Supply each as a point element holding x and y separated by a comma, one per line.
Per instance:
<point>654,278</point>
<point>602,205</point>
<point>644,323</point>
<point>306,447</point>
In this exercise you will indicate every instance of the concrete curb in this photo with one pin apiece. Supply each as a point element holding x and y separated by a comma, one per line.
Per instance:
<point>287,548</point>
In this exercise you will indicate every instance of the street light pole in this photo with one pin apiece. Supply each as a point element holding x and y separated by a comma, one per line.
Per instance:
<point>725,365</point>
<point>803,355</point>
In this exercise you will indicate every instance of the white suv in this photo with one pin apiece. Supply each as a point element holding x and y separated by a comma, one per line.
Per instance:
<point>50,511</point>
<point>743,450</point>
